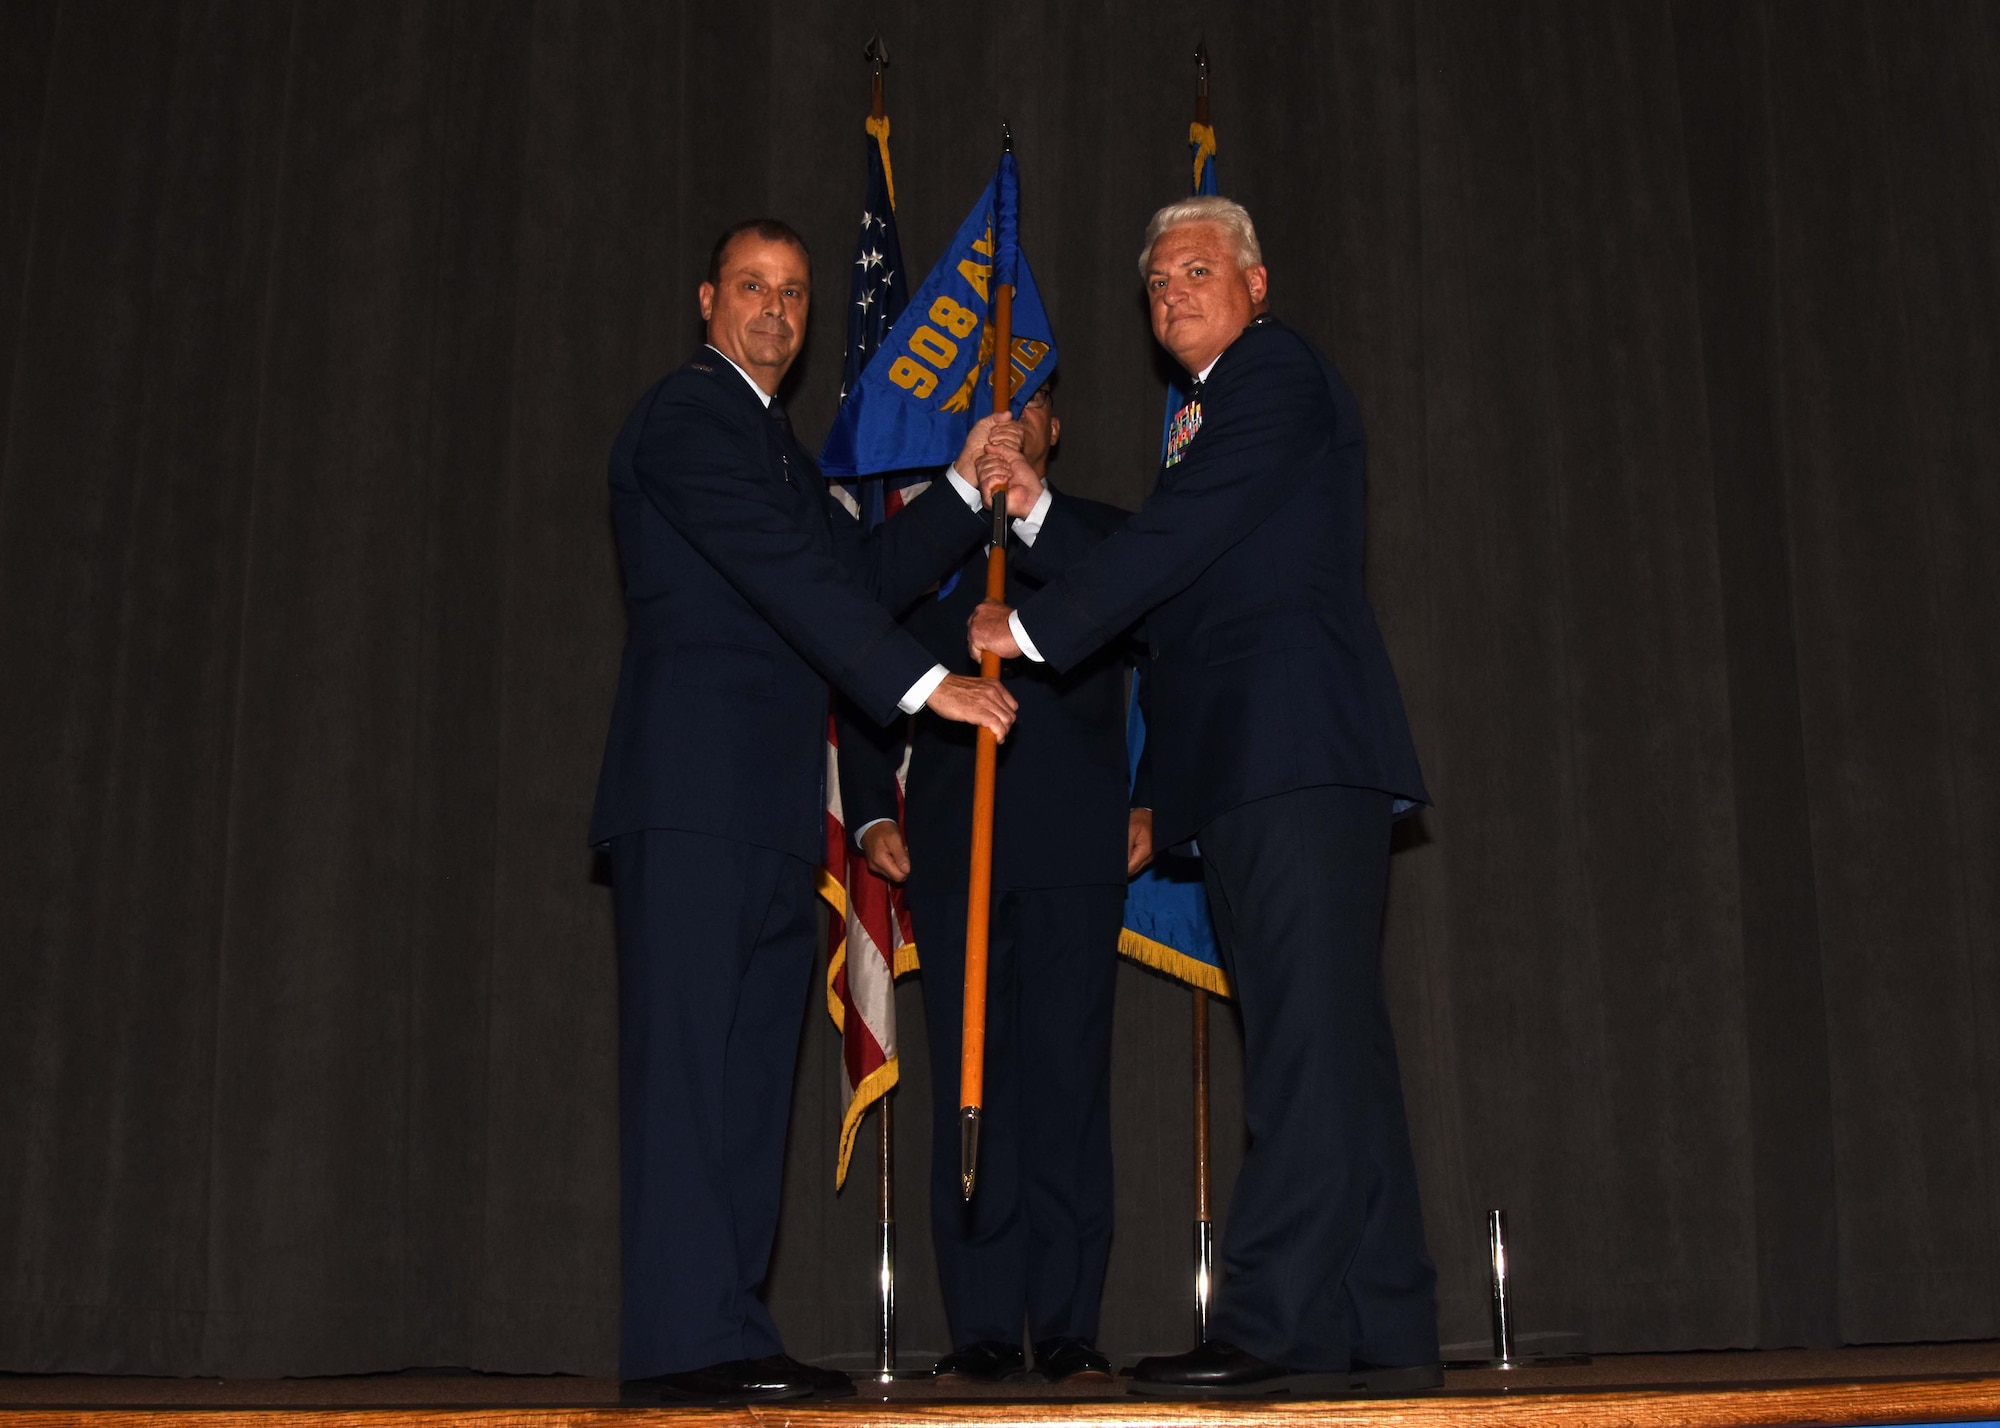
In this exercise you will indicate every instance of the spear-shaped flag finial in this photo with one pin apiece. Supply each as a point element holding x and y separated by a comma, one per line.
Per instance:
<point>877,54</point>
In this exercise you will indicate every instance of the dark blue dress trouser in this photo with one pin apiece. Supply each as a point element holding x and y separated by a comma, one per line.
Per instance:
<point>1034,1242</point>
<point>716,941</point>
<point>1323,1258</point>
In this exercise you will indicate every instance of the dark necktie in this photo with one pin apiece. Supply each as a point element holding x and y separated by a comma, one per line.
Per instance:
<point>786,441</point>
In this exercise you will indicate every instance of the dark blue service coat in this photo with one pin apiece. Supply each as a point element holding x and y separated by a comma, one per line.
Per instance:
<point>748,590</point>
<point>1275,731</point>
<point>1061,801</point>
<point>1268,671</point>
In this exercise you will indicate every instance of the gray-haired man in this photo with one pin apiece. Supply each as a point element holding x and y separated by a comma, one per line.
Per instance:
<point>1277,736</point>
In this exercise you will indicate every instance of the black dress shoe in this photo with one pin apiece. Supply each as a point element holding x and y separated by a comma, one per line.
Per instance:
<point>826,1383</point>
<point>1217,1370</point>
<point>1221,1370</point>
<point>988,1361</point>
<point>723,1385</point>
<point>1071,1361</point>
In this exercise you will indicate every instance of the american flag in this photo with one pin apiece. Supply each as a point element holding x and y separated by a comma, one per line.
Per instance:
<point>871,943</point>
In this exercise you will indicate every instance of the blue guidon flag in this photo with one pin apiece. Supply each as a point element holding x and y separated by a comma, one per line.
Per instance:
<point>1166,907</point>
<point>929,380</point>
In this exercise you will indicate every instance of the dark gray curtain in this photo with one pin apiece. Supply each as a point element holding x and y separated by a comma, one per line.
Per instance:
<point>1676,326</point>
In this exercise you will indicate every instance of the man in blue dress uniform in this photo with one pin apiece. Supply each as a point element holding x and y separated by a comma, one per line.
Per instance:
<point>1277,738</point>
<point>748,590</point>
<point>1033,1242</point>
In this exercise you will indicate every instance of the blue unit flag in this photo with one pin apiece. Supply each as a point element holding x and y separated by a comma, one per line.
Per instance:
<point>924,386</point>
<point>1166,907</point>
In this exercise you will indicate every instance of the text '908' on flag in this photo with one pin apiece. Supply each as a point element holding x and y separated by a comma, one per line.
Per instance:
<point>929,380</point>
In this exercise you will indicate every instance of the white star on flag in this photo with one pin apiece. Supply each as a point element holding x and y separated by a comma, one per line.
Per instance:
<point>868,260</point>
<point>868,299</point>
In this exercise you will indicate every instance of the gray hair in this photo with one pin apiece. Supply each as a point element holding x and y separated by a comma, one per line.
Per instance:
<point>1227,214</point>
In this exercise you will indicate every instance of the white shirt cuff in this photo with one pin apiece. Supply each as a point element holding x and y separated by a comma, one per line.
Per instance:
<point>922,690</point>
<point>865,827</point>
<point>1026,527</point>
<point>1021,637</point>
<point>1030,525</point>
<point>967,492</point>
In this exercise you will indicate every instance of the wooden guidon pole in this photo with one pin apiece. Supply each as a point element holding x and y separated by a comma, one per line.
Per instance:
<point>1204,1223</point>
<point>1204,1217</point>
<point>979,883</point>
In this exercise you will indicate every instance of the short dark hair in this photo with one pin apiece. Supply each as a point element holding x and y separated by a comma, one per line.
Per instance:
<point>771,230</point>
<point>1049,385</point>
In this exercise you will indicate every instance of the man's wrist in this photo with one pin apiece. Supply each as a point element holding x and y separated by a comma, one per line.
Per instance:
<point>862,832</point>
<point>920,692</point>
<point>1029,526</point>
<point>967,492</point>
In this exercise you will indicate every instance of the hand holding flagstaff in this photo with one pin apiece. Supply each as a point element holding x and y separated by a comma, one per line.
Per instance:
<point>988,631</point>
<point>1004,465</point>
<point>982,463</point>
<point>984,702</point>
<point>977,440</point>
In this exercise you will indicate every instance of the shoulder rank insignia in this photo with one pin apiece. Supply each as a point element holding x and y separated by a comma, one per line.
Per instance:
<point>1180,431</point>
<point>702,367</point>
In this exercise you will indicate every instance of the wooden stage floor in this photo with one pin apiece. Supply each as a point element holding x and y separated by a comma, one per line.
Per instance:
<point>1905,1384</point>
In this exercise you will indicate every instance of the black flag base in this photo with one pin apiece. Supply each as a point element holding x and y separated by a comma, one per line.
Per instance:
<point>968,1147</point>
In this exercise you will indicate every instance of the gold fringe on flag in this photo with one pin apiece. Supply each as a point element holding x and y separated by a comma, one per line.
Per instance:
<point>1162,958</point>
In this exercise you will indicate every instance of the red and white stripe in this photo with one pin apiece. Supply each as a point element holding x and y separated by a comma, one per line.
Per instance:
<point>870,945</point>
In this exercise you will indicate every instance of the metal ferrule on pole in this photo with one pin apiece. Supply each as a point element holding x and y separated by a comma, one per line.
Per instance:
<point>885,1358</point>
<point>1204,1276</point>
<point>1503,1324</point>
<point>1204,1226</point>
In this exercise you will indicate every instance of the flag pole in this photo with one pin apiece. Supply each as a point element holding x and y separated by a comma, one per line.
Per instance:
<point>885,1359</point>
<point>1204,1224</point>
<point>877,54</point>
<point>979,885</point>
